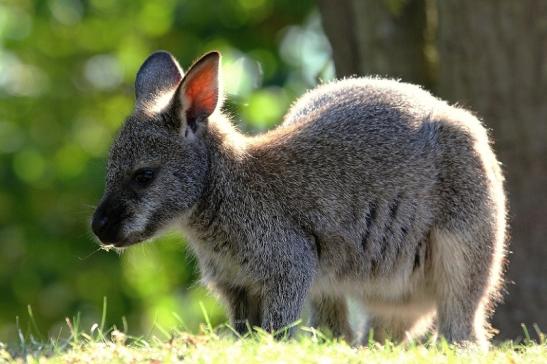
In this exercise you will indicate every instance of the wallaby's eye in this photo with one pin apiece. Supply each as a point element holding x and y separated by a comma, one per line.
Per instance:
<point>143,177</point>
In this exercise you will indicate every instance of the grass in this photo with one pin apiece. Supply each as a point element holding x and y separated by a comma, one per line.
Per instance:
<point>222,345</point>
<point>212,348</point>
<point>219,346</point>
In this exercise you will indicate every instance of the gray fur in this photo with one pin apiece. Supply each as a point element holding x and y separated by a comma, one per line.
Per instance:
<point>159,73</point>
<point>370,188</point>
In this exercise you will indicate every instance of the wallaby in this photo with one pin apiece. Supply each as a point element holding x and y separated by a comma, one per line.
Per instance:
<point>370,188</point>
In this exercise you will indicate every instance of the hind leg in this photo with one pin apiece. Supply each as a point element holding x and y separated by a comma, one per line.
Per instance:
<point>469,234</point>
<point>466,272</point>
<point>395,328</point>
<point>386,328</point>
<point>331,313</point>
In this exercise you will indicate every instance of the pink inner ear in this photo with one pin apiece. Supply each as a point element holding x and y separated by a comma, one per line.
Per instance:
<point>201,90</point>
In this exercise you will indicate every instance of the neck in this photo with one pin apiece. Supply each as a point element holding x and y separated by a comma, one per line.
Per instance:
<point>227,152</point>
<point>224,141</point>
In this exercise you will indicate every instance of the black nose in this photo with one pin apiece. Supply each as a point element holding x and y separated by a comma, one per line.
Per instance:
<point>99,223</point>
<point>106,223</point>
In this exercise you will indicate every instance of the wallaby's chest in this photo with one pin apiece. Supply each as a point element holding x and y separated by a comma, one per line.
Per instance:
<point>220,258</point>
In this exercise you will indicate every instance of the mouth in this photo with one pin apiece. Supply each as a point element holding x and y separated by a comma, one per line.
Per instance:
<point>133,238</point>
<point>122,243</point>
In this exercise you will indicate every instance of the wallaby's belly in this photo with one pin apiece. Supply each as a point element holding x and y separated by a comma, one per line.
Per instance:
<point>381,295</point>
<point>402,284</point>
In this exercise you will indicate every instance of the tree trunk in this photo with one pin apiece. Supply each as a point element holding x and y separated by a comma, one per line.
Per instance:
<point>384,38</point>
<point>493,60</point>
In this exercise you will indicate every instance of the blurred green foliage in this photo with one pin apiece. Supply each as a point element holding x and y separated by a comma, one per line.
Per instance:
<point>67,69</point>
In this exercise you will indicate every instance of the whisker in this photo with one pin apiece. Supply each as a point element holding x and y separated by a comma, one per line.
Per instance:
<point>90,254</point>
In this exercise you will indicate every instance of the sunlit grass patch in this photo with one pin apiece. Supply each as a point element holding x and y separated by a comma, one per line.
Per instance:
<point>260,347</point>
<point>222,345</point>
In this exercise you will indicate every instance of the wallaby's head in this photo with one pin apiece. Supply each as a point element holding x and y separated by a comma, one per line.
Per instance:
<point>158,163</point>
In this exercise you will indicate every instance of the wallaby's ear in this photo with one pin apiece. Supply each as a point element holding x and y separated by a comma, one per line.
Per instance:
<point>157,80</point>
<point>199,93</point>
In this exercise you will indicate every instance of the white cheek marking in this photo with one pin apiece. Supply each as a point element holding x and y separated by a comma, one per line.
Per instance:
<point>138,223</point>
